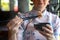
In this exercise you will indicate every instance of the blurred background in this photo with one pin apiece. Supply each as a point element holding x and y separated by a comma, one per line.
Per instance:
<point>26,5</point>
<point>14,6</point>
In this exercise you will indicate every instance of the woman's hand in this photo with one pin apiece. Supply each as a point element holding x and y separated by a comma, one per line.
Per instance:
<point>14,23</point>
<point>47,32</point>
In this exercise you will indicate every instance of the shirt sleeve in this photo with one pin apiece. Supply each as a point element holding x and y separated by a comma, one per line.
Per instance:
<point>57,28</point>
<point>20,33</point>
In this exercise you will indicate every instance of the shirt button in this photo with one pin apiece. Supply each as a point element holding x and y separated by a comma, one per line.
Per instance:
<point>33,33</point>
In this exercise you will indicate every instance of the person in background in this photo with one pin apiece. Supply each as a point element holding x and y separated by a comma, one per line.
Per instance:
<point>25,29</point>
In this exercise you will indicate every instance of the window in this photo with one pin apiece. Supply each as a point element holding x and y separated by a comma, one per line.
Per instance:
<point>54,7</point>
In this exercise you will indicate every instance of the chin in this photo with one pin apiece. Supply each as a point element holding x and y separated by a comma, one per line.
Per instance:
<point>39,9</point>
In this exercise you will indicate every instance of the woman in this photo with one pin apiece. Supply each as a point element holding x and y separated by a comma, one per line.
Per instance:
<point>27,31</point>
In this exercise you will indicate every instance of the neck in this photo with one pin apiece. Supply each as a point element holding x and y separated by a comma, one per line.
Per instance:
<point>38,10</point>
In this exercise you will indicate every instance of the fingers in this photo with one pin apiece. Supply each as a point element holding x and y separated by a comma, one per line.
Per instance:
<point>49,27</point>
<point>14,22</point>
<point>47,35</point>
<point>47,30</point>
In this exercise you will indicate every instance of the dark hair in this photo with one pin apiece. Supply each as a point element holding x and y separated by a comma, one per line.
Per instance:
<point>31,0</point>
<point>5,17</point>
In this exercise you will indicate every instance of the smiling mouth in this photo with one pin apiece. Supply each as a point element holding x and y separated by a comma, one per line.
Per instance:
<point>40,3</point>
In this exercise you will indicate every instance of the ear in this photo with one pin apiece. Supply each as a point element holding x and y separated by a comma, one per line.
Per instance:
<point>48,2</point>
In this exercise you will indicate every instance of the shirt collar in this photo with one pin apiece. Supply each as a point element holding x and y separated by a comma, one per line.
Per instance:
<point>35,12</point>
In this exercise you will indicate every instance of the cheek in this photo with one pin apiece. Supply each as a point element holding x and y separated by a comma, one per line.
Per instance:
<point>35,2</point>
<point>46,3</point>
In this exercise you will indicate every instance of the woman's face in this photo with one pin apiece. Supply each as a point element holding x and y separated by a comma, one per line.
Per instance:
<point>40,4</point>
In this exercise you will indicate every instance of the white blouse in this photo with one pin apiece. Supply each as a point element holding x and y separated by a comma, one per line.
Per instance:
<point>28,32</point>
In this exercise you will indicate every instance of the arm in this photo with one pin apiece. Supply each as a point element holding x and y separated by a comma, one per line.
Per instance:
<point>13,26</point>
<point>12,35</point>
<point>57,29</point>
<point>47,32</point>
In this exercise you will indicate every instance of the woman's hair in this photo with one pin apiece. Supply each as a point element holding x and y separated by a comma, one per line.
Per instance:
<point>5,17</point>
<point>31,0</point>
